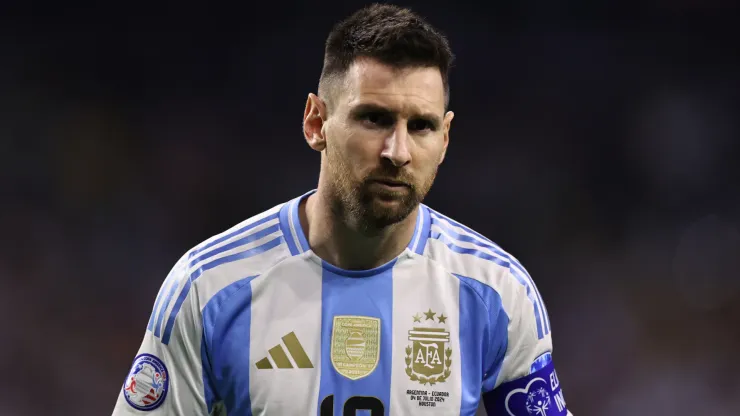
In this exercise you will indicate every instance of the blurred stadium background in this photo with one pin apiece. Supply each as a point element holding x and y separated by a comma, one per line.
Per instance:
<point>597,141</point>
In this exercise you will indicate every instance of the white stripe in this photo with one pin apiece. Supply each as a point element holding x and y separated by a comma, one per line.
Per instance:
<point>275,315</point>
<point>434,288</point>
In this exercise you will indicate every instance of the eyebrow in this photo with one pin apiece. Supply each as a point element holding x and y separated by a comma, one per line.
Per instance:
<point>432,118</point>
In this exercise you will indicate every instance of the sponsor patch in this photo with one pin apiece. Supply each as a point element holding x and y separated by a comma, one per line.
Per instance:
<point>537,394</point>
<point>147,383</point>
<point>355,345</point>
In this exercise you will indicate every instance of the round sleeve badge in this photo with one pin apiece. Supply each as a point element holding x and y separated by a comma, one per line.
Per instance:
<point>146,385</point>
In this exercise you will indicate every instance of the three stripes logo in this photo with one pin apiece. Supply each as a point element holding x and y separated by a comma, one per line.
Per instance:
<point>280,358</point>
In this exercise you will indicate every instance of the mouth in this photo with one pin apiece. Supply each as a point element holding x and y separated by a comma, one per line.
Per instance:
<point>391,183</point>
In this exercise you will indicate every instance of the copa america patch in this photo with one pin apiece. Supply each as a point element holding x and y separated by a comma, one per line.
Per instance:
<point>147,383</point>
<point>537,394</point>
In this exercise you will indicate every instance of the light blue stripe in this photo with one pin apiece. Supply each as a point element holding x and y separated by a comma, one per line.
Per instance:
<point>462,250</point>
<point>209,391</point>
<point>208,266</point>
<point>194,253</point>
<point>163,308</point>
<point>468,238</point>
<point>285,228</point>
<point>297,226</point>
<point>532,292</point>
<point>516,264</point>
<point>242,241</point>
<point>227,320</point>
<point>484,339</point>
<point>160,295</point>
<point>423,224</point>
<point>521,280</point>
<point>465,228</point>
<point>234,244</point>
<point>234,233</point>
<point>367,293</point>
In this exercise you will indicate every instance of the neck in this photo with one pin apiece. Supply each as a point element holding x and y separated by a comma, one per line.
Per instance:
<point>343,245</point>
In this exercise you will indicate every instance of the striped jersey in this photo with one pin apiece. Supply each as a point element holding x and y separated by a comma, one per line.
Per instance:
<point>252,322</point>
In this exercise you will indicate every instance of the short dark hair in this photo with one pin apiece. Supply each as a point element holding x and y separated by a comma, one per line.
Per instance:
<point>393,35</point>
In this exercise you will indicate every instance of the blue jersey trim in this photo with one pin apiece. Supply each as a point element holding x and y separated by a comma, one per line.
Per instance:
<point>532,298</point>
<point>163,308</point>
<point>357,273</point>
<point>243,229</point>
<point>167,292</point>
<point>490,320</point>
<point>296,221</point>
<point>290,224</point>
<point>516,265</point>
<point>160,295</point>
<point>421,231</point>
<point>285,228</point>
<point>208,266</point>
<point>471,251</point>
<point>209,391</point>
<point>231,306</point>
<point>370,297</point>
<point>236,243</point>
<point>516,269</point>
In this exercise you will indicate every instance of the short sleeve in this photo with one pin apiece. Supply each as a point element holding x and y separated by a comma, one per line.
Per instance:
<point>166,376</point>
<point>524,381</point>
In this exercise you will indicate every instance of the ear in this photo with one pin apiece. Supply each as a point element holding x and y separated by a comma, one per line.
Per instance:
<point>313,122</point>
<point>447,123</point>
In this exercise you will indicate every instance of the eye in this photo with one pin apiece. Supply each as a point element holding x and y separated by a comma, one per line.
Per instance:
<point>377,118</point>
<point>420,125</point>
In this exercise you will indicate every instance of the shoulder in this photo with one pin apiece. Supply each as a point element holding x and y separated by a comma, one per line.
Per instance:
<point>246,249</point>
<point>218,264</point>
<point>482,264</point>
<point>464,251</point>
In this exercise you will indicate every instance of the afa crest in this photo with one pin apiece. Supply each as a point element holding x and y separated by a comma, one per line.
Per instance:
<point>428,357</point>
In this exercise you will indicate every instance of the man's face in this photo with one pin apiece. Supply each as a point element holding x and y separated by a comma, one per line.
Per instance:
<point>385,138</point>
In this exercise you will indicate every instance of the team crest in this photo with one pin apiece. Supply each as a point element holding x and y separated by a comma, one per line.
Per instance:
<point>355,345</point>
<point>146,386</point>
<point>428,357</point>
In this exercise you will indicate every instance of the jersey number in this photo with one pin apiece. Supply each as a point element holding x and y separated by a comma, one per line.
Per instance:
<point>352,405</point>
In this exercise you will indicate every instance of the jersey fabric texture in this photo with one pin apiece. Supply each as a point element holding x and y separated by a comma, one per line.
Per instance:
<point>252,322</point>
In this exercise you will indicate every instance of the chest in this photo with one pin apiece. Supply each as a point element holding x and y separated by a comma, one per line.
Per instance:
<point>330,345</point>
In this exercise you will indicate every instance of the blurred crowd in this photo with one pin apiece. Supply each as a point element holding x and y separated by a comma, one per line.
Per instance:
<point>598,144</point>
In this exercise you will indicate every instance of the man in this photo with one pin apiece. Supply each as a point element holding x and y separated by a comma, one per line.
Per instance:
<point>354,296</point>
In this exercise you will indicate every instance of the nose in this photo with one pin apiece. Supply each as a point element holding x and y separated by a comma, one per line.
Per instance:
<point>396,148</point>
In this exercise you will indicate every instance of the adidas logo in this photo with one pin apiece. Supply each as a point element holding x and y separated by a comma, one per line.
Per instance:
<point>280,358</point>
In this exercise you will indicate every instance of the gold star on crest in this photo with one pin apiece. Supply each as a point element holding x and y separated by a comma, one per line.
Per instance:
<point>442,319</point>
<point>417,318</point>
<point>430,314</point>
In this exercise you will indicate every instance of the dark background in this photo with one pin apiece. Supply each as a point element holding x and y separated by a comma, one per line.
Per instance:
<point>598,142</point>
